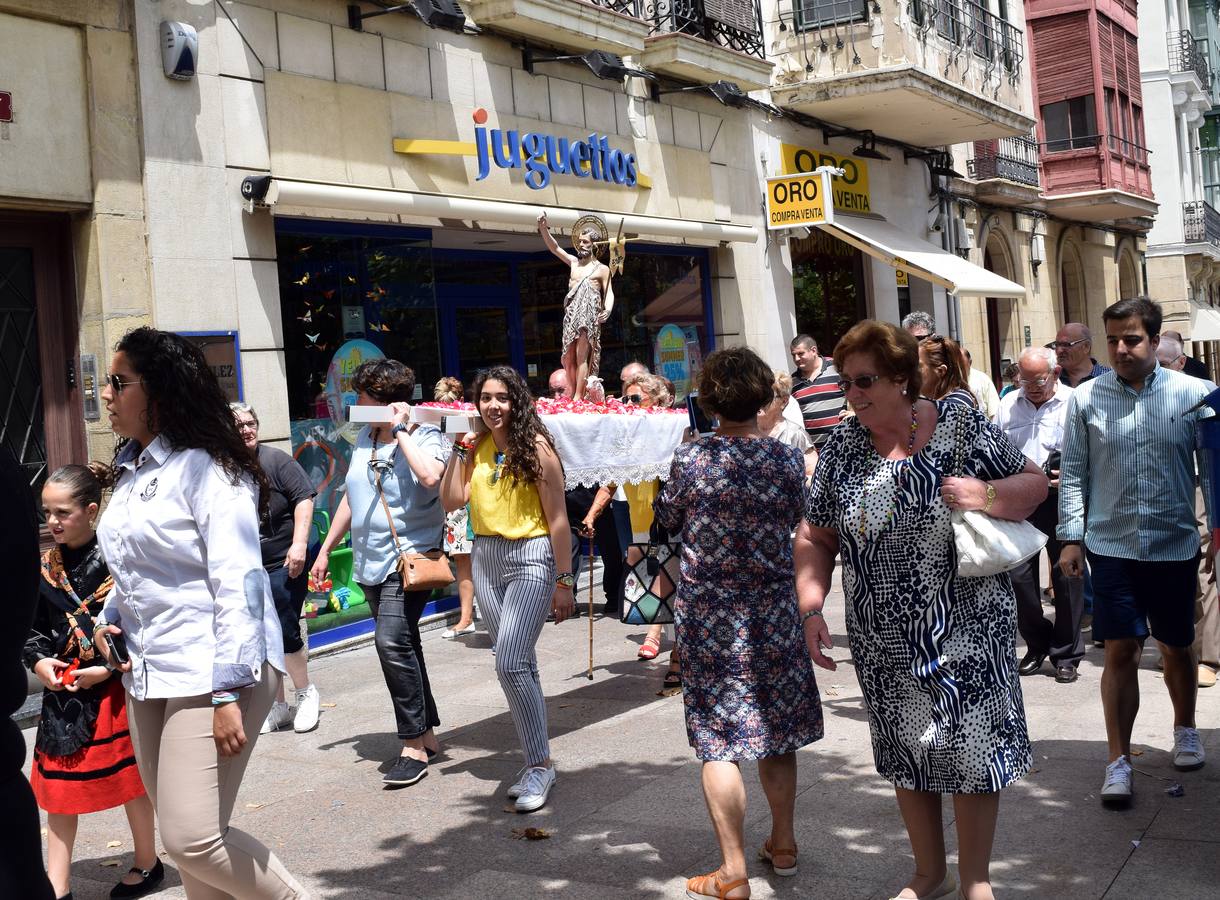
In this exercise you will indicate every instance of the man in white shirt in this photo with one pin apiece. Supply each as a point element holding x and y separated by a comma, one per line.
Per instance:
<point>982,388</point>
<point>1033,418</point>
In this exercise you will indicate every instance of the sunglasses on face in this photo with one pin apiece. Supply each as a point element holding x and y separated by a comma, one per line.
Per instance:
<point>863,382</point>
<point>633,398</point>
<point>117,384</point>
<point>1065,345</point>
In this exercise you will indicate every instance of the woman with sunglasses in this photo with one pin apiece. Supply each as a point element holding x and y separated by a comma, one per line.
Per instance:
<point>511,478</point>
<point>942,366</point>
<point>395,470</point>
<point>191,603</point>
<point>935,654</point>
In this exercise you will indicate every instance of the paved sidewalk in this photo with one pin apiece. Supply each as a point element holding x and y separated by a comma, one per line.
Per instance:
<point>627,817</point>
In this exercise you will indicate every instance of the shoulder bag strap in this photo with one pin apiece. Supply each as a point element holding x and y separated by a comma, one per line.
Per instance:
<point>388,515</point>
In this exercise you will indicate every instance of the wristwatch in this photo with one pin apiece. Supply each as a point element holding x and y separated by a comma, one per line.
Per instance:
<point>566,579</point>
<point>400,427</point>
<point>990,497</point>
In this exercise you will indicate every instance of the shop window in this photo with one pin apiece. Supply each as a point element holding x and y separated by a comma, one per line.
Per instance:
<point>1070,124</point>
<point>827,288</point>
<point>655,290</point>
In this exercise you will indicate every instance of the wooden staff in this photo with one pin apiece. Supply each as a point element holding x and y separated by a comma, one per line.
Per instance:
<point>590,608</point>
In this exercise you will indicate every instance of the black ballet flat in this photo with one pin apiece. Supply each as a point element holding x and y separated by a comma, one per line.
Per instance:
<point>152,880</point>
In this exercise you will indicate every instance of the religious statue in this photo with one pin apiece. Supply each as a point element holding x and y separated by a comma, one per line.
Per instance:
<point>590,296</point>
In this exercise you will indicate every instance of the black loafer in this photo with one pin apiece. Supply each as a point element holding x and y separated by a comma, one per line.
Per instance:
<point>1031,663</point>
<point>406,772</point>
<point>1065,674</point>
<point>152,880</point>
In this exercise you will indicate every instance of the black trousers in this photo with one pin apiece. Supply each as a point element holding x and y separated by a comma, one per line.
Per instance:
<point>605,533</point>
<point>401,654</point>
<point>1060,640</point>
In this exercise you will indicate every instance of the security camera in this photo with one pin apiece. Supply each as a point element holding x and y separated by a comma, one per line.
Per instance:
<point>179,50</point>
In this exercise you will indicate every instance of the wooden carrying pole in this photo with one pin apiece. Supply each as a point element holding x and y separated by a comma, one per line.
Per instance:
<point>590,609</point>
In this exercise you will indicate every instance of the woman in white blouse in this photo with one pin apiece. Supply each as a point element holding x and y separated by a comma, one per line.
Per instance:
<point>191,601</point>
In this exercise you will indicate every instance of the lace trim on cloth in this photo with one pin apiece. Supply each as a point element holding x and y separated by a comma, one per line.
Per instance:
<point>612,474</point>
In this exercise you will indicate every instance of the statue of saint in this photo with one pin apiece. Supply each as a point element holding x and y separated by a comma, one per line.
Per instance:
<point>589,301</point>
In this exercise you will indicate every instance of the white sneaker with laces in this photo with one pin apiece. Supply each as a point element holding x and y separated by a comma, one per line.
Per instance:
<point>1187,749</point>
<point>1116,790</point>
<point>308,705</point>
<point>535,788</point>
<point>515,790</point>
<point>279,717</point>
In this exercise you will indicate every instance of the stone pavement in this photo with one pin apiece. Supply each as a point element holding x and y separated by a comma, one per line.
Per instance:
<point>627,817</point>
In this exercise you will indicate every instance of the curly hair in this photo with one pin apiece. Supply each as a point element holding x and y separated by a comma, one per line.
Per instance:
<point>654,386</point>
<point>186,406</point>
<point>735,384</point>
<point>385,380</point>
<point>893,350</point>
<point>521,462</point>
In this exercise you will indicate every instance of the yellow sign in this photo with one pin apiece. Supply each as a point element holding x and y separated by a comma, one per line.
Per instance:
<point>900,275</point>
<point>797,201</point>
<point>851,190</point>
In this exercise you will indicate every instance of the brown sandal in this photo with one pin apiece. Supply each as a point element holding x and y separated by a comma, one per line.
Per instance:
<point>766,852</point>
<point>698,887</point>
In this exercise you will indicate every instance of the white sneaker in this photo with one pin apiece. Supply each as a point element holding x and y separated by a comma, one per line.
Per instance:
<point>279,717</point>
<point>1116,790</point>
<point>535,788</point>
<point>1187,749</point>
<point>308,702</point>
<point>515,791</point>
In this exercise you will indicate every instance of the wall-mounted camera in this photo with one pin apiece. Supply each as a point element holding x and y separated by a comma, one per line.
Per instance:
<point>179,50</point>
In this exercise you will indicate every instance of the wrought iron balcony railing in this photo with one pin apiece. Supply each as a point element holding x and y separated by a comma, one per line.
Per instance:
<point>966,23</point>
<point>627,7</point>
<point>1011,158</point>
<point>1189,55</point>
<point>736,24</point>
<point>1201,223</point>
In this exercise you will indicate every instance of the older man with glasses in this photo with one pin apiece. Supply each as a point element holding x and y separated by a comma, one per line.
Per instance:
<point>1032,417</point>
<point>1073,347</point>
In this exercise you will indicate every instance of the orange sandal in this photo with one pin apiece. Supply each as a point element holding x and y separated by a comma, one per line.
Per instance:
<point>697,888</point>
<point>766,852</point>
<point>651,648</point>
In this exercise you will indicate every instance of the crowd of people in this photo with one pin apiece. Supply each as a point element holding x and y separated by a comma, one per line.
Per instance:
<point>165,626</point>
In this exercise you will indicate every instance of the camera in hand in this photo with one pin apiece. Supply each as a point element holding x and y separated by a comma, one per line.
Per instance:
<point>117,646</point>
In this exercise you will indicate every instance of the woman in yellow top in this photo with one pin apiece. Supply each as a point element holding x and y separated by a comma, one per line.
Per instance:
<point>645,391</point>
<point>512,479</point>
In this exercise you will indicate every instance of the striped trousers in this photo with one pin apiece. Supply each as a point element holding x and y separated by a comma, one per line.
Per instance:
<point>514,581</point>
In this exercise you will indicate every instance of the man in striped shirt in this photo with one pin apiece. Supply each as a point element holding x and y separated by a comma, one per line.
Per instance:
<point>1127,494</point>
<point>815,386</point>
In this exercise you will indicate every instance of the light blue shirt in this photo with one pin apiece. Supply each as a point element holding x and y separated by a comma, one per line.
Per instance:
<point>419,517</point>
<point>1127,482</point>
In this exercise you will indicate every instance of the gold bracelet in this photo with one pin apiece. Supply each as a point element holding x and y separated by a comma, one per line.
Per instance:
<point>990,497</point>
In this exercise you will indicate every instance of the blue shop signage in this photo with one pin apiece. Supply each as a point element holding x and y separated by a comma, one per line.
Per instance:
<point>543,155</point>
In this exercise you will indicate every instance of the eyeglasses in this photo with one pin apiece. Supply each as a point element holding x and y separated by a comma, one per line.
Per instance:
<point>1037,382</point>
<point>863,382</point>
<point>633,398</point>
<point>1065,345</point>
<point>923,337</point>
<point>117,384</point>
<point>247,426</point>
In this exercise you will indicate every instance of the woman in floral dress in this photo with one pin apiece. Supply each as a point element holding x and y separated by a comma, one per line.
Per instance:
<point>748,681</point>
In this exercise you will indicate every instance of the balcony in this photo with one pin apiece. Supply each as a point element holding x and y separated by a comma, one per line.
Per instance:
<point>929,72</point>
<point>1189,75</point>
<point>1097,178</point>
<point>1200,223</point>
<point>1005,171</point>
<point>616,26</point>
<point>706,41</point>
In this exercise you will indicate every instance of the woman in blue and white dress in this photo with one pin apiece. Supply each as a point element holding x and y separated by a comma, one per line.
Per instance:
<point>935,653</point>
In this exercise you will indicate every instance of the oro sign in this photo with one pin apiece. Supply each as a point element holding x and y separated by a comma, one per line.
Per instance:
<point>799,200</point>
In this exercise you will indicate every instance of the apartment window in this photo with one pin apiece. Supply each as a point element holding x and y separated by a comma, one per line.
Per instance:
<point>1070,124</point>
<point>816,13</point>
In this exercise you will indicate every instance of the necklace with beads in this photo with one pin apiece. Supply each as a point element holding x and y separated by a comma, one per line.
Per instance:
<point>892,512</point>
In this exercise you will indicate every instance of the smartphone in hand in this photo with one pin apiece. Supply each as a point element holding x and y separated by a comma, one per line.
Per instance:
<point>118,649</point>
<point>700,422</point>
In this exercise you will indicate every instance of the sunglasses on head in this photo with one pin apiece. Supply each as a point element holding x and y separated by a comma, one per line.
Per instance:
<point>117,384</point>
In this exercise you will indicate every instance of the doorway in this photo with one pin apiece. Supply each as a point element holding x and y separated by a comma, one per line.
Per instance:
<point>480,328</point>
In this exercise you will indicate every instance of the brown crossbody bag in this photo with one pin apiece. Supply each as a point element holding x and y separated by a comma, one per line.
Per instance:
<point>419,571</point>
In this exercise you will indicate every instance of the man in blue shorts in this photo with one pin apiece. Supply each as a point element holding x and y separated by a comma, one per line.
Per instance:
<point>1127,498</point>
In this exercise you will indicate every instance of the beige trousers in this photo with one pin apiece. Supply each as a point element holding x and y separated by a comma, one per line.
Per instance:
<point>193,789</point>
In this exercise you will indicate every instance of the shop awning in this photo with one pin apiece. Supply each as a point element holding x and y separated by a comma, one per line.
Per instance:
<point>290,192</point>
<point>1204,324</point>
<point>892,245</point>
